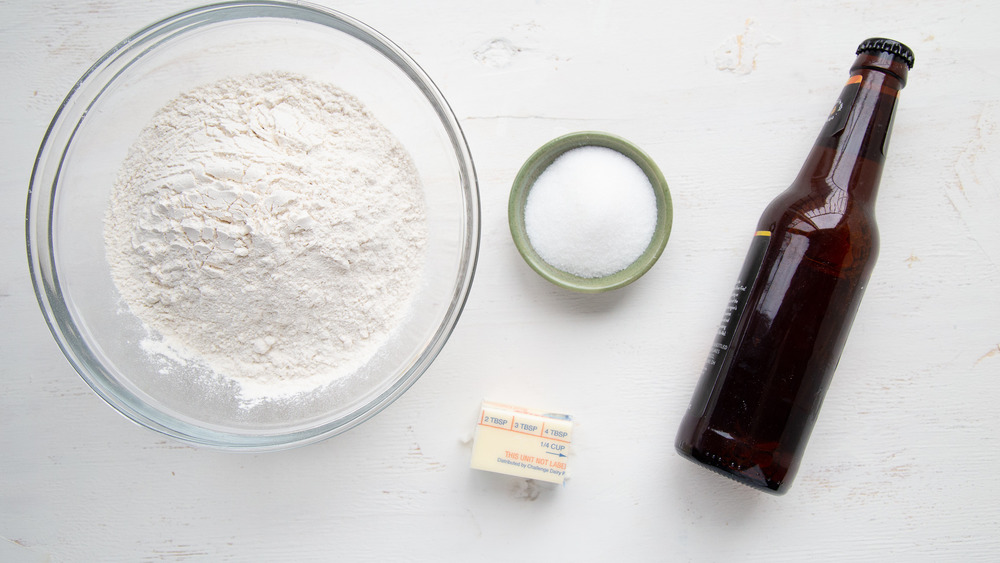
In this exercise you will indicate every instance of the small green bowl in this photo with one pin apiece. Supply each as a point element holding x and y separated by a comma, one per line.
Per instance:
<point>534,167</point>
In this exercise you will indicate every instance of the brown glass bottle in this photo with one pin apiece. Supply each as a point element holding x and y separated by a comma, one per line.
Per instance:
<point>792,308</point>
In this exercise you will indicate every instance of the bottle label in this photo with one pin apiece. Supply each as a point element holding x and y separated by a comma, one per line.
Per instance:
<point>837,119</point>
<point>734,310</point>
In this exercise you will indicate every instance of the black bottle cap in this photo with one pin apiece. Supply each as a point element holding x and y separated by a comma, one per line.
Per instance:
<point>880,44</point>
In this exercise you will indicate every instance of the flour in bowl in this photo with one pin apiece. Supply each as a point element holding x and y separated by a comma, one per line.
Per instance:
<point>270,227</point>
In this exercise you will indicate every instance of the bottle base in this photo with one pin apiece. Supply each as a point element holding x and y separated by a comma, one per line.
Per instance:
<point>752,477</point>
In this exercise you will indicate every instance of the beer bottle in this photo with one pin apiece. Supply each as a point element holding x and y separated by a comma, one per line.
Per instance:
<point>798,291</point>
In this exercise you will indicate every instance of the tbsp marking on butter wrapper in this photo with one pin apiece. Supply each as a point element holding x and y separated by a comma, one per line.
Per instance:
<point>522,442</point>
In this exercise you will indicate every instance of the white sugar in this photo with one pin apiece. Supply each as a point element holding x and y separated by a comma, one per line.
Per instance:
<point>591,213</point>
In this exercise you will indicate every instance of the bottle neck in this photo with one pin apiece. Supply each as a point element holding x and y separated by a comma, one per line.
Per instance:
<point>850,150</point>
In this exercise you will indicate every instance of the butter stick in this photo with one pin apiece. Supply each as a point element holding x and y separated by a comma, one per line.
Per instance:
<point>522,442</point>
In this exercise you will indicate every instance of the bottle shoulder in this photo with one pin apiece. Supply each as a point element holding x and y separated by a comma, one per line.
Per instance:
<point>832,229</point>
<point>820,208</point>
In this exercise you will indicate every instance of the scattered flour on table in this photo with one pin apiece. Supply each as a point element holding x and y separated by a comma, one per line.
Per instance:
<point>270,227</point>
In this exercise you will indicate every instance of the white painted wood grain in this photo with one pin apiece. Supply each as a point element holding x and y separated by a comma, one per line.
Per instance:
<point>726,97</point>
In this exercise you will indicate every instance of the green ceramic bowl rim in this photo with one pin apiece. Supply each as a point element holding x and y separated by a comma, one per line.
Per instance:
<point>539,161</point>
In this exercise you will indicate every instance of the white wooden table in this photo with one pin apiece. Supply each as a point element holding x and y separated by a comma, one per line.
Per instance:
<point>727,97</point>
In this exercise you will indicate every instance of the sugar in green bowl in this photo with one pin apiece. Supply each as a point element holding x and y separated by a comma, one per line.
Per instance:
<point>620,190</point>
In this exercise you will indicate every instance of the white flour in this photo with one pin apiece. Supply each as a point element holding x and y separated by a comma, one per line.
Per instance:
<point>270,227</point>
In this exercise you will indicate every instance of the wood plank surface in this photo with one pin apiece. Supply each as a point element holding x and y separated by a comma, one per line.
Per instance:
<point>727,97</point>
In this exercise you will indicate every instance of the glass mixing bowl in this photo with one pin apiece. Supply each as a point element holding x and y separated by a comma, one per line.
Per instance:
<point>88,140</point>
